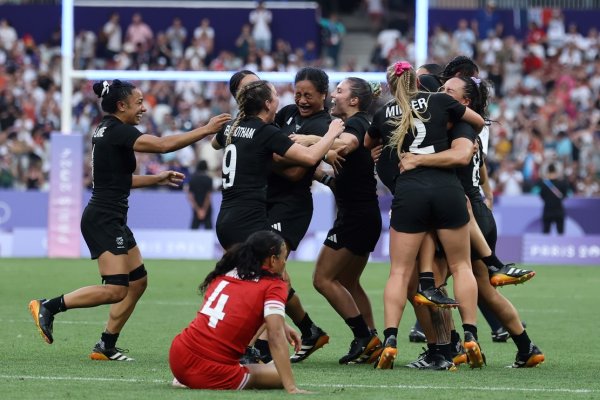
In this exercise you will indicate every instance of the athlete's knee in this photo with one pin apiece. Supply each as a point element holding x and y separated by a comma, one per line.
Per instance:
<point>320,283</point>
<point>116,287</point>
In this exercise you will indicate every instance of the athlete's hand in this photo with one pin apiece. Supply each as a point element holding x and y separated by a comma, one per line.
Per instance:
<point>408,161</point>
<point>335,159</point>
<point>304,140</point>
<point>171,178</point>
<point>293,337</point>
<point>376,152</point>
<point>336,126</point>
<point>216,123</point>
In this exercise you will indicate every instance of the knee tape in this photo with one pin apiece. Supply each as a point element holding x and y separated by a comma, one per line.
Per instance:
<point>138,273</point>
<point>118,279</point>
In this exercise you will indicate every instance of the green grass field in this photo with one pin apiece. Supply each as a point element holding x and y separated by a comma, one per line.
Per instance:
<point>558,306</point>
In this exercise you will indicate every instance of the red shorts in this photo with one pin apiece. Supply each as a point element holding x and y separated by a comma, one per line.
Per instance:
<point>198,373</point>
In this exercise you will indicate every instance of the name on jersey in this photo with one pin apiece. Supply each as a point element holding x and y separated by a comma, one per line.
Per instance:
<point>395,111</point>
<point>242,132</point>
<point>99,132</point>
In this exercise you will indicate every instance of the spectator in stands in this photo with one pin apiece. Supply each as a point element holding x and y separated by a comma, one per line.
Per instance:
<point>333,31</point>
<point>260,18</point>
<point>244,43</point>
<point>139,35</point>
<point>510,179</point>
<point>85,49</point>
<point>8,35</point>
<point>176,36</point>
<point>207,34</point>
<point>487,19</point>
<point>375,11</point>
<point>112,36</point>
<point>464,39</point>
<point>195,55</point>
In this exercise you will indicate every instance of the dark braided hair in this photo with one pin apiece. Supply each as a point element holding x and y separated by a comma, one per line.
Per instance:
<point>236,79</point>
<point>462,66</point>
<point>247,258</point>
<point>251,100</point>
<point>477,92</point>
<point>112,93</point>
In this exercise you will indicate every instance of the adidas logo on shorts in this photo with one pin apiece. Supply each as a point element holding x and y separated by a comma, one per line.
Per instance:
<point>332,238</point>
<point>277,226</point>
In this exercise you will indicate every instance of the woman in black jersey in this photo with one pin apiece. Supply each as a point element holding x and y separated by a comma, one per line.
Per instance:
<point>104,220</point>
<point>473,93</point>
<point>357,226</point>
<point>249,142</point>
<point>281,205</point>
<point>427,199</point>
<point>289,197</point>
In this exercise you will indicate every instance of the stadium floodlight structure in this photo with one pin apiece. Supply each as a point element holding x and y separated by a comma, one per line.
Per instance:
<point>69,73</point>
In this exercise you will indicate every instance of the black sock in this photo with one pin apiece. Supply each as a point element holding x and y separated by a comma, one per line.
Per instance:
<point>426,280</point>
<point>454,336</point>
<point>305,326</point>
<point>445,350</point>
<point>109,339</point>
<point>262,346</point>
<point>432,347</point>
<point>523,342</point>
<point>387,332</point>
<point>492,261</point>
<point>55,305</point>
<point>358,325</point>
<point>472,329</point>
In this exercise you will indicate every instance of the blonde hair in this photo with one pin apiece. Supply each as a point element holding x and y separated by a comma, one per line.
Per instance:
<point>403,87</point>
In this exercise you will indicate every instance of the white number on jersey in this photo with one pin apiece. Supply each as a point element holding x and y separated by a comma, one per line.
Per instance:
<point>476,166</point>
<point>229,164</point>
<point>421,132</point>
<point>216,313</point>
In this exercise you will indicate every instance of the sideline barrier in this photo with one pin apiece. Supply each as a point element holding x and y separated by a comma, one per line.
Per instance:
<point>160,221</point>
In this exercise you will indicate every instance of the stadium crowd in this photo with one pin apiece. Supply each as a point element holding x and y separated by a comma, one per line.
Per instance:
<point>546,104</point>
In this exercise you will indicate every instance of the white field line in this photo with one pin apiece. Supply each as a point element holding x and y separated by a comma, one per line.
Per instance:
<point>66,322</point>
<point>409,387</point>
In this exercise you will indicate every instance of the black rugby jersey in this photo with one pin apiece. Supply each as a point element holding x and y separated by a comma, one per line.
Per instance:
<point>469,174</point>
<point>428,137</point>
<point>431,136</point>
<point>356,184</point>
<point>247,160</point>
<point>387,166</point>
<point>281,189</point>
<point>113,162</point>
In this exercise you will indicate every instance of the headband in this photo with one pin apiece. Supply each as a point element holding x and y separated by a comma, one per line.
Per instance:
<point>105,88</point>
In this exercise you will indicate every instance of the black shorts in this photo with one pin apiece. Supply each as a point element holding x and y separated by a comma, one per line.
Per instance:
<point>487,223</point>
<point>235,224</point>
<point>106,230</point>
<point>356,229</point>
<point>291,222</point>
<point>429,208</point>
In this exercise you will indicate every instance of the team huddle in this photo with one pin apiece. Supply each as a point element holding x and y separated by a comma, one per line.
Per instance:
<point>428,147</point>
